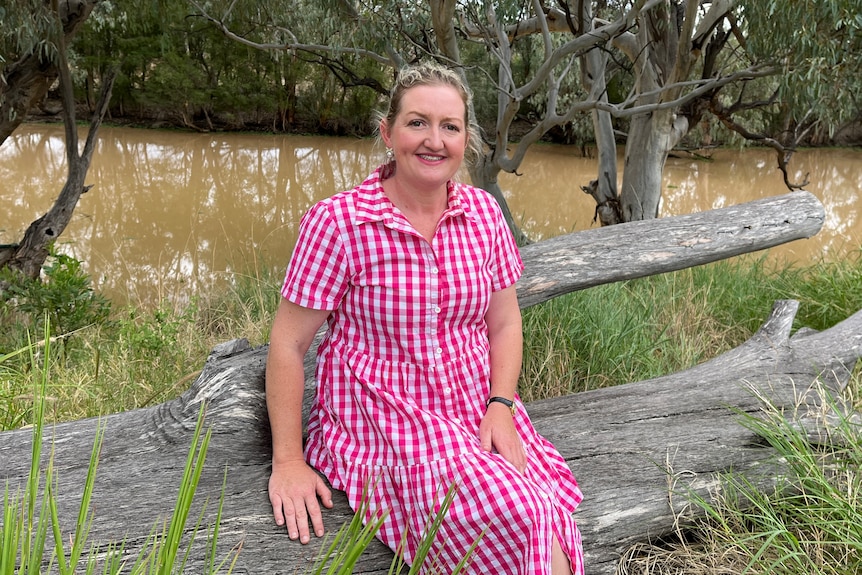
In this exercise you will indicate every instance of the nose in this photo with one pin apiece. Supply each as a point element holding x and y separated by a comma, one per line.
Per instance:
<point>434,139</point>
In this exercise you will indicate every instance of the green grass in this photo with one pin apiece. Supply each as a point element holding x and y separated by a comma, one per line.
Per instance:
<point>635,330</point>
<point>595,338</point>
<point>809,522</point>
<point>629,331</point>
<point>130,357</point>
<point>28,516</point>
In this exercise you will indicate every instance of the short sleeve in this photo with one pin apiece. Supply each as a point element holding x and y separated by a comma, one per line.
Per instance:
<point>316,276</point>
<point>507,257</point>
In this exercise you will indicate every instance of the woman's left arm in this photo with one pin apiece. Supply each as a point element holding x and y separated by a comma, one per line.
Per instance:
<point>497,429</point>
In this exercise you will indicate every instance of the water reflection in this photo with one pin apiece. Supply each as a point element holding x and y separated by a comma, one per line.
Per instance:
<point>171,213</point>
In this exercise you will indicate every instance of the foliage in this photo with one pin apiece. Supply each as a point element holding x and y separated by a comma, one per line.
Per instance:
<point>65,297</point>
<point>175,65</point>
<point>134,358</point>
<point>28,27</point>
<point>819,45</point>
<point>23,533</point>
<point>812,521</point>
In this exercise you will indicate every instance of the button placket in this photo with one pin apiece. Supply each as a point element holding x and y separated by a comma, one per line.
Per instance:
<point>437,372</point>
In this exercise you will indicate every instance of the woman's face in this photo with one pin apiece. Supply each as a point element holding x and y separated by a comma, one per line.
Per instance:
<point>428,136</point>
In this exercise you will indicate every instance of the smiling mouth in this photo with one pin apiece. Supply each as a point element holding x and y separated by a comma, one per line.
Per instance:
<point>431,158</point>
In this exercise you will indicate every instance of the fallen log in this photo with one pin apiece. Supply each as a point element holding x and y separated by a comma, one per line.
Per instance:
<point>624,443</point>
<point>638,249</point>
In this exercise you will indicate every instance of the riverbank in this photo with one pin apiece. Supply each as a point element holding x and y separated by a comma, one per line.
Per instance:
<point>848,134</point>
<point>113,358</point>
<point>174,215</point>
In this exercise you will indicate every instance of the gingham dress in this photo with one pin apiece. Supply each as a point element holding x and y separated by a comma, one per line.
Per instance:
<point>403,375</point>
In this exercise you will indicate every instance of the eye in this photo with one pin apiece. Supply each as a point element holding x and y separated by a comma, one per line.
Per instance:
<point>452,128</point>
<point>415,123</point>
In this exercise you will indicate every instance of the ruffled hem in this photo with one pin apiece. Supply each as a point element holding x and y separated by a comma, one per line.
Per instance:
<point>515,515</point>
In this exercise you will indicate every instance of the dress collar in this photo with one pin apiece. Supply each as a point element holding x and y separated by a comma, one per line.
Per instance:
<point>372,204</point>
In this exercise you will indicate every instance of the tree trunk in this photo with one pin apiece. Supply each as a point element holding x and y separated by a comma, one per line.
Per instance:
<point>651,137</point>
<point>29,256</point>
<point>661,55</point>
<point>637,449</point>
<point>28,79</point>
<point>484,175</point>
<point>604,187</point>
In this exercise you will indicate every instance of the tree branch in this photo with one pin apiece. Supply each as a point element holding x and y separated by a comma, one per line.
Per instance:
<point>783,151</point>
<point>294,45</point>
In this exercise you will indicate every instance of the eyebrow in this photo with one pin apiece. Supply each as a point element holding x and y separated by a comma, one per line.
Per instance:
<point>425,116</point>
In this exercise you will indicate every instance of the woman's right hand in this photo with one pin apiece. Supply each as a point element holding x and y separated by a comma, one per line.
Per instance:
<point>293,491</point>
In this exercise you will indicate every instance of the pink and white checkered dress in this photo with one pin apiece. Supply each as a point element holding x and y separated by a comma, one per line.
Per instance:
<point>403,375</point>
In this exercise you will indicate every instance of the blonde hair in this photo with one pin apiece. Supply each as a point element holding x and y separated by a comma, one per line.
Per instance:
<point>433,74</point>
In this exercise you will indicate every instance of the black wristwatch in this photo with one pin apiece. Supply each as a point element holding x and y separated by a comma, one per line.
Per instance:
<point>507,402</point>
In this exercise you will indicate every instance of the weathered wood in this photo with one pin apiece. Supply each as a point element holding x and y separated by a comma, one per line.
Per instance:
<point>626,444</point>
<point>649,247</point>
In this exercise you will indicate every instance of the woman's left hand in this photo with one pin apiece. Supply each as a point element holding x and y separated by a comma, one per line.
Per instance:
<point>497,431</point>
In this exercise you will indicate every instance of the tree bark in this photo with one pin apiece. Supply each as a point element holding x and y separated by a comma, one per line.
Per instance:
<point>636,449</point>
<point>594,257</point>
<point>651,137</point>
<point>28,79</point>
<point>29,256</point>
<point>604,188</point>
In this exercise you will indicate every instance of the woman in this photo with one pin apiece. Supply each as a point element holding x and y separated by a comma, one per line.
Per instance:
<point>414,275</point>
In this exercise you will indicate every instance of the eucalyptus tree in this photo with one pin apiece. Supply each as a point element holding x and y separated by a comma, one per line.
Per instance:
<point>29,37</point>
<point>669,56</point>
<point>680,59</point>
<point>35,55</point>
<point>393,32</point>
<point>818,47</point>
<point>684,59</point>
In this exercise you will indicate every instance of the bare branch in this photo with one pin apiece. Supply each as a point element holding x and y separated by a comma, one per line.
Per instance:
<point>718,10</point>
<point>294,45</point>
<point>783,151</point>
<point>704,86</point>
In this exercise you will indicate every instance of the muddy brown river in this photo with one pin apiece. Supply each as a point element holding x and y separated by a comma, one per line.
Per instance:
<point>172,214</point>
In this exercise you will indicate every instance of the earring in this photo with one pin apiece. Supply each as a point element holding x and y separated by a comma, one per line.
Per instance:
<point>390,155</point>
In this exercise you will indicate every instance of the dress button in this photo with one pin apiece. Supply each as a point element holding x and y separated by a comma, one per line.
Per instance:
<point>447,390</point>
<point>438,351</point>
<point>434,270</point>
<point>437,309</point>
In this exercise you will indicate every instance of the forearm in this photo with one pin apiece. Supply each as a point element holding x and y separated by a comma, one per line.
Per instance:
<point>506,356</point>
<point>285,382</point>
<point>506,340</point>
<point>292,332</point>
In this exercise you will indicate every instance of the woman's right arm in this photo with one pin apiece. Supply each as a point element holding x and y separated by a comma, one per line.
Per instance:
<point>293,486</point>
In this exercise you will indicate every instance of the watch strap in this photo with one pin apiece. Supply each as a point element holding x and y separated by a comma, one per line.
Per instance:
<point>507,402</point>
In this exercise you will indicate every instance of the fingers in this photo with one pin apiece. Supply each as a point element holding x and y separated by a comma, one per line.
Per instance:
<point>485,439</point>
<point>316,518</point>
<point>508,446</point>
<point>296,515</point>
<point>298,527</point>
<point>513,452</point>
<point>324,493</point>
<point>295,506</point>
<point>277,511</point>
<point>314,512</point>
